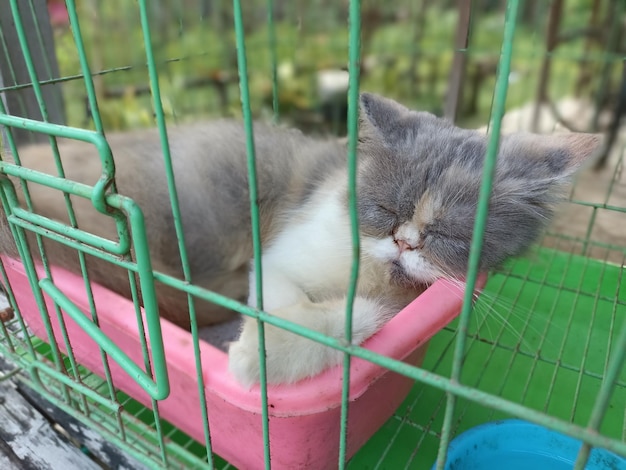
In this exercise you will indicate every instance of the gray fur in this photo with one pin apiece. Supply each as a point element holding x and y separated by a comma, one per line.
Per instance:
<point>406,153</point>
<point>209,161</point>
<point>406,159</point>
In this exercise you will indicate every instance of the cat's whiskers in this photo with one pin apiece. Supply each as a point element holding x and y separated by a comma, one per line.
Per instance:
<point>523,314</point>
<point>488,310</point>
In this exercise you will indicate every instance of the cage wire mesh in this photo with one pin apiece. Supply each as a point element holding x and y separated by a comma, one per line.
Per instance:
<point>546,339</point>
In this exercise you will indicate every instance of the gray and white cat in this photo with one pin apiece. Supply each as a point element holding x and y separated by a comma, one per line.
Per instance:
<point>418,184</point>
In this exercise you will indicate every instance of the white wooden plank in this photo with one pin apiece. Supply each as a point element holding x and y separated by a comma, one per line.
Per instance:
<point>28,441</point>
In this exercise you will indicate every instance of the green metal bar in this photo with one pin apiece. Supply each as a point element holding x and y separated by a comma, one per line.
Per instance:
<point>103,341</point>
<point>250,148</point>
<point>495,341</point>
<point>489,168</point>
<point>84,65</point>
<point>11,297</point>
<point>353,131</point>
<point>98,140</point>
<point>30,66</point>
<point>78,189</point>
<point>178,226</point>
<point>36,368</point>
<point>445,384</point>
<point>588,341</point>
<point>255,217</point>
<point>123,263</point>
<point>40,40</point>
<point>28,60</point>
<point>141,333</point>
<point>12,75</point>
<point>23,251</point>
<point>9,375</point>
<point>94,318</point>
<point>146,282</point>
<point>602,399</point>
<point>52,129</point>
<point>141,433</point>
<point>27,260</point>
<point>429,378</point>
<point>159,432</point>
<point>144,268</point>
<point>67,231</point>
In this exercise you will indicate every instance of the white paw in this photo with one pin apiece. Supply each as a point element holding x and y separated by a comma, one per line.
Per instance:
<point>243,362</point>
<point>368,316</point>
<point>290,357</point>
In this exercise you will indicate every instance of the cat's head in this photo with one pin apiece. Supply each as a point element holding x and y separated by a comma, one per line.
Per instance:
<point>418,184</point>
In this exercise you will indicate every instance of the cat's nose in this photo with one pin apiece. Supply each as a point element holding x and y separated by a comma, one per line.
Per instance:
<point>404,245</point>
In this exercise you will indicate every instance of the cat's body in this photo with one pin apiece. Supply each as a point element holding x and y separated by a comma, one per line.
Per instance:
<point>209,162</point>
<point>418,183</point>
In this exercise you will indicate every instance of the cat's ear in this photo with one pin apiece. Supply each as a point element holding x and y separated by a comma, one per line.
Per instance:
<point>379,117</point>
<point>563,153</point>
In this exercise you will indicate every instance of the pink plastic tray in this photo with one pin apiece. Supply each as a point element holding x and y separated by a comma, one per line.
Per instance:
<point>304,417</point>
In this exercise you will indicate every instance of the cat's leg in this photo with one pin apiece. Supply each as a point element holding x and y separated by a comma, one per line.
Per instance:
<point>290,357</point>
<point>278,290</point>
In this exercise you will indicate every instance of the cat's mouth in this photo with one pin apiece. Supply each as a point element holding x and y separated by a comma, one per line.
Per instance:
<point>399,276</point>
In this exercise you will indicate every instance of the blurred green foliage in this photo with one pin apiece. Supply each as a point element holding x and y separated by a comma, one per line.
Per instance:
<point>407,52</point>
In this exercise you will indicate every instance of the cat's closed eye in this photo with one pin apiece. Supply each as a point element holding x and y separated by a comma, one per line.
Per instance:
<point>388,210</point>
<point>390,216</point>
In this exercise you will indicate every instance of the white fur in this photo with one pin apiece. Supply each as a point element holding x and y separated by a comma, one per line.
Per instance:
<point>306,271</point>
<point>418,268</point>
<point>313,253</point>
<point>290,357</point>
<point>382,249</point>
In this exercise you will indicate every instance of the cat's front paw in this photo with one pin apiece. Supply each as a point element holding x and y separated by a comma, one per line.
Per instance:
<point>243,361</point>
<point>290,357</point>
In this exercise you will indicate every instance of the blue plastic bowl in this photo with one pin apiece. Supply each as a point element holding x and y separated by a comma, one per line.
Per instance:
<point>514,444</point>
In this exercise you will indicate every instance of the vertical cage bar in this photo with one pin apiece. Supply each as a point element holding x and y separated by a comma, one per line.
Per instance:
<point>604,394</point>
<point>84,66</point>
<point>180,236</point>
<point>14,66</point>
<point>23,245</point>
<point>354,57</point>
<point>489,168</point>
<point>40,98</point>
<point>71,8</point>
<point>255,217</point>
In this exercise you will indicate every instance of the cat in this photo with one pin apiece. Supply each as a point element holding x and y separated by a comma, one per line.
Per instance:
<point>418,182</point>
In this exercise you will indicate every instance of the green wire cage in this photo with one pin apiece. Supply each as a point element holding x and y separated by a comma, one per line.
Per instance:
<point>546,339</point>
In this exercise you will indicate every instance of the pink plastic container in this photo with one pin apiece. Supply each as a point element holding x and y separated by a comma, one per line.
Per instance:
<point>304,417</point>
